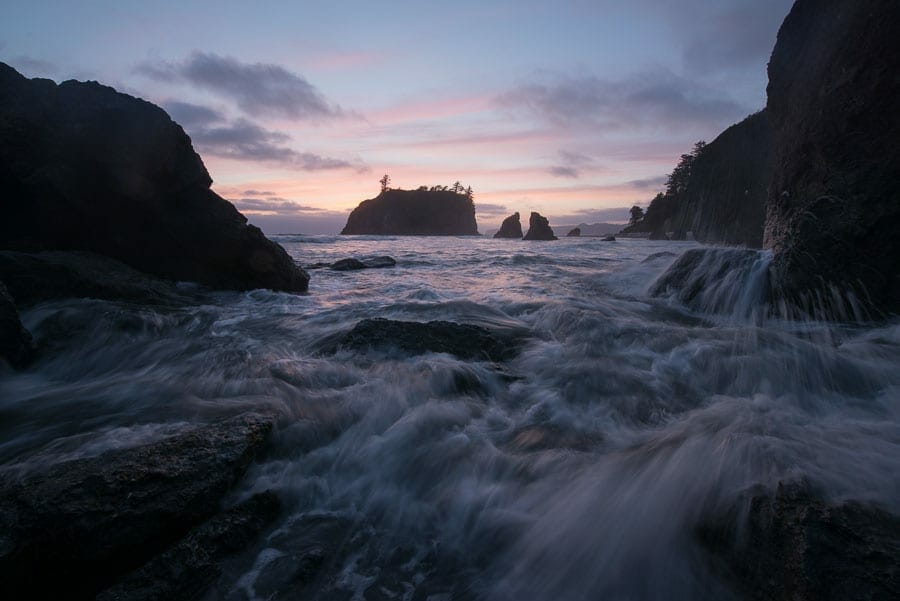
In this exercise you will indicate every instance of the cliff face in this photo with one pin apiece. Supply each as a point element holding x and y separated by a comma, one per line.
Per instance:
<point>510,228</point>
<point>723,195</point>
<point>833,211</point>
<point>83,167</point>
<point>414,213</point>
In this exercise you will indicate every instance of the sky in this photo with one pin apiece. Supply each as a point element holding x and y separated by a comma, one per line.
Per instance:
<point>576,109</point>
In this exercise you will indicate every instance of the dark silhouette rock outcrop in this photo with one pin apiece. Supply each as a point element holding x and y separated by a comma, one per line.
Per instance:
<point>89,521</point>
<point>790,545</point>
<point>16,345</point>
<point>722,200</point>
<point>608,239</point>
<point>574,233</point>
<point>414,213</point>
<point>83,167</point>
<point>37,277</point>
<point>462,340</point>
<point>833,210</point>
<point>510,228</point>
<point>352,264</point>
<point>539,228</point>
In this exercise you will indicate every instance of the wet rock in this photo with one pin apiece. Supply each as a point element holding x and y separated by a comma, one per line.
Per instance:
<point>510,228</point>
<point>659,255</point>
<point>462,340</point>
<point>71,530</point>
<point>187,569</point>
<point>414,213</point>
<point>83,167</point>
<point>16,345</point>
<point>609,239</point>
<point>539,228</point>
<point>354,264</point>
<point>36,277</point>
<point>833,209</point>
<point>574,233</point>
<point>792,545</point>
<point>698,269</point>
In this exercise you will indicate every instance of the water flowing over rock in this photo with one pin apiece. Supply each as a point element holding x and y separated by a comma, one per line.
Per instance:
<point>88,521</point>
<point>16,345</point>
<point>510,228</point>
<point>539,228</point>
<point>574,233</point>
<point>414,213</point>
<point>83,167</point>
<point>792,545</point>
<point>833,209</point>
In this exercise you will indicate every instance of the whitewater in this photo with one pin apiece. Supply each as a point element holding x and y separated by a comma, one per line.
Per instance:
<point>580,468</point>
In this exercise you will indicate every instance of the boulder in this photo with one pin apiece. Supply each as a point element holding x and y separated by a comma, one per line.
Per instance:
<point>462,340</point>
<point>186,570</point>
<point>16,345</point>
<point>608,239</point>
<point>83,167</point>
<point>510,228</point>
<point>791,545</point>
<point>574,233</point>
<point>71,530</point>
<point>36,277</point>
<point>833,207</point>
<point>354,264</point>
<point>414,213</point>
<point>539,228</point>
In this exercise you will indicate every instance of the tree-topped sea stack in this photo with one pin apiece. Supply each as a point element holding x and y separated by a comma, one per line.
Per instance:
<point>510,228</point>
<point>539,228</point>
<point>421,212</point>
<point>83,167</point>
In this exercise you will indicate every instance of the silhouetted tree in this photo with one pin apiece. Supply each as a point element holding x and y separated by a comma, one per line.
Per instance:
<point>457,187</point>
<point>470,194</point>
<point>422,189</point>
<point>637,214</point>
<point>384,181</point>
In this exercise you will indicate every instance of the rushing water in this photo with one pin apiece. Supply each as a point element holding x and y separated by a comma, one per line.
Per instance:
<point>579,469</point>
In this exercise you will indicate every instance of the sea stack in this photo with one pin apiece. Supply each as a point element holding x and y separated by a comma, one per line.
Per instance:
<point>833,207</point>
<point>510,228</point>
<point>85,168</point>
<point>539,228</point>
<point>574,233</point>
<point>414,213</point>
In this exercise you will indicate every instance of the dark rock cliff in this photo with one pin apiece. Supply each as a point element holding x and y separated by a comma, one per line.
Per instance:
<point>722,200</point>
<point>539,228</point>
<point>833,210</point>
<point>83,167</point>
<point>510,228</point>
<point>414,213</point>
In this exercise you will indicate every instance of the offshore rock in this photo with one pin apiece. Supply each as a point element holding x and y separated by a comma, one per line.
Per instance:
<point>792,545</point>
<point>510,228</point>
<point>70,531</point>
<point>186,570</point>
<point>539,228</point>
<point>37,277</point>
<point>609,239</point>
<point>462,340</point>
<point>16,345</point>
<point>414,213</point>
<point>574,233</point>
<point>833,208</point>
<point>83,167</point>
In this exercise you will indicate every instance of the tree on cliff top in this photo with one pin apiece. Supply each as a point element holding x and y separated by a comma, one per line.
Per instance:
<point>637,213</point>
<point>384,181</point>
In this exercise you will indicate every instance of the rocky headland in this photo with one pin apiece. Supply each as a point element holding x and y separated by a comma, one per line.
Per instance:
<point>397,212</point>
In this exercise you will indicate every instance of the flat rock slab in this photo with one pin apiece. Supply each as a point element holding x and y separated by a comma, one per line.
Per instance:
<point>352,264</point>
<point>791,545</point>
<point>74,528</point>
<point>462,340</point>
<point>187,569</point>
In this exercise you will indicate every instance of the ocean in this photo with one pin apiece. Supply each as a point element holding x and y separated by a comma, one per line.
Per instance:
<point>582,467</point>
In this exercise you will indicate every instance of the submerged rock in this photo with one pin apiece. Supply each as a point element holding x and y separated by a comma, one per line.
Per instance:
<point>792,545</point>
<point>574,233</point>
<point>462,340</point>
<point>414,213</point>
<point>609,239</point>
<point>16,345</point>
<point>83,167</point>
<point>539,228</point>
<point>354,264</point>
<point>833,208</point>
<point>510,228</point>
<point>38,277</point>
<point>89,521</point>
<point>187,569</point>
